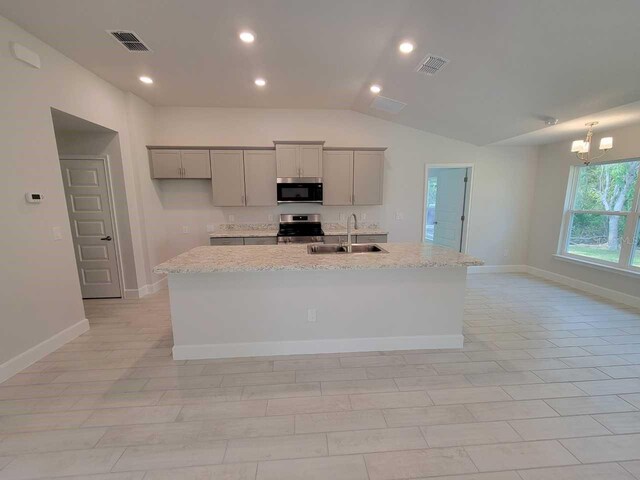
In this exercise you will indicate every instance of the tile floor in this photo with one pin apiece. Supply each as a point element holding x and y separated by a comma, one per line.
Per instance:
<point>547,387</point>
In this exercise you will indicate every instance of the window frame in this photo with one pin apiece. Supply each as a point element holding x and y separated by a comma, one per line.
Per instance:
<point>632,224</point>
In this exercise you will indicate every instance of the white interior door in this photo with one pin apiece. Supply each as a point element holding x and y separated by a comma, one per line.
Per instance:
<point>89,206</point>
<point>446,204</point>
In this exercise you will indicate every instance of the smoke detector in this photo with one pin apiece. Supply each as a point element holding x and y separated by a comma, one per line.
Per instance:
<point>431,64</point>
<point>129,40</point>
<point>388,105</point>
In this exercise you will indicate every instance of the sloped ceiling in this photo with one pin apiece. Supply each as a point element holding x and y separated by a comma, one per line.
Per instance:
<point>513,62</point>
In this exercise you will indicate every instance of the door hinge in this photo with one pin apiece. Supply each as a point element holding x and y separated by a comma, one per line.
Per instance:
<point>462,218</point>
<point>465,179</point>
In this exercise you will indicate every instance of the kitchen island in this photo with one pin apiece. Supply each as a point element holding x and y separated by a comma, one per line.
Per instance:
<point>240,301</point>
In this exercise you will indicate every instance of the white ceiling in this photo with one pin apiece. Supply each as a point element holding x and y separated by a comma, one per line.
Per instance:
<point>513,62</point>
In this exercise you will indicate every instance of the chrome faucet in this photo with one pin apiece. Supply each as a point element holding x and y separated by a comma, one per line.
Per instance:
<point>355,225</point>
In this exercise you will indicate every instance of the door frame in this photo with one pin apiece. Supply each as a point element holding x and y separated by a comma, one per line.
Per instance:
<point>114,218</point>
<point>467,208</point>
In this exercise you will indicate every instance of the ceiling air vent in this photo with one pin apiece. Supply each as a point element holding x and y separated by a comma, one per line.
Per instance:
<point>431,65</point>
<point>130,40</point>
<point>388,105</point>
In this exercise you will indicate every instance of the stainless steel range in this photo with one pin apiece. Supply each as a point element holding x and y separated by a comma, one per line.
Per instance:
<point>300,228</point>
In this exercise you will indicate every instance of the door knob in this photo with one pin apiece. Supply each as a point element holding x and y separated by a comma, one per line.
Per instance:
<point>107,238</point>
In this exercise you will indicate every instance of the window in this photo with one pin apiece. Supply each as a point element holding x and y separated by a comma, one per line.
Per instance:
<point>601,222</point>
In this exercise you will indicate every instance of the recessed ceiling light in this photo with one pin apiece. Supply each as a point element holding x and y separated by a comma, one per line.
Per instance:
<point>261,82</point>
<point>147,80</point>
<point>406,47</point>
<point>375,88</point>
<point>247,37</point>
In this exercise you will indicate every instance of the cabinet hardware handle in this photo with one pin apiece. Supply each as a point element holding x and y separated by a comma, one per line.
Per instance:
<point>184,171</point>
<point>107,238</point>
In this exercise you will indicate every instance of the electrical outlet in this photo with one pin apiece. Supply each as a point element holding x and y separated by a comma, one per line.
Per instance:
<point>363,216</point>
<point>341,217</point>
<point>185,229</point>
<point>57,233</point>
<point>399,216</point>
<point>211,228</point>
<point>505,254</point>
<point>232,218</point>
<point>270,217</point>
<point>312,315</point>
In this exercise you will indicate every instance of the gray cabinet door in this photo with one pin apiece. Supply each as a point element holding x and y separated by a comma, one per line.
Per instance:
<point>260,178</point>
<point>166,164</point>
<point>333,239</point>
<point>287,158</point>
<point>227,178</point>
<point>221,241</point>
<point>260,240</point>
<point>368,168</point>
<point>195,164</point>
<point>337,169</point>
<point>372,239</point>
<point>310,160</point>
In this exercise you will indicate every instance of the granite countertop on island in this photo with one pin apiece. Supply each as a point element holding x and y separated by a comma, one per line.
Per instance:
<point>294,257</point>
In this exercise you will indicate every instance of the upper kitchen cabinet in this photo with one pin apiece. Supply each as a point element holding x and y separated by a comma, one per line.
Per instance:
<point>299,159</point>
<point>311,160</point>
<point>227,178</point>
<point>337,169</point>
<point>167,163</point>
<point>260,178</point>
<point>195,164</point>
<point>368,173</point>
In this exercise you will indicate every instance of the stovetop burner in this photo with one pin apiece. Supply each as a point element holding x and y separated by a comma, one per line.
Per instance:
<point>296,226</point>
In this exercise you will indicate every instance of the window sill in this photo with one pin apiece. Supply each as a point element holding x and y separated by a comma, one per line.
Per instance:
<point>599,266</point>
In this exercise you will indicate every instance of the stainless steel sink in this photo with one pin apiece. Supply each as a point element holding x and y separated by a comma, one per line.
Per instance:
<point>321,248</point>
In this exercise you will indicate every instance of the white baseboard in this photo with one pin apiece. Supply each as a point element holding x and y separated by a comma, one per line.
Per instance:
<point>18,363</point>
<point>337,345</point>
<point>607,293</point>
<point>498,269</point>
<point>145,289</point>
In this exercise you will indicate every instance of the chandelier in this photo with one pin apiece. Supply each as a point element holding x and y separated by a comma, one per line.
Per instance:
<point>582,147</point>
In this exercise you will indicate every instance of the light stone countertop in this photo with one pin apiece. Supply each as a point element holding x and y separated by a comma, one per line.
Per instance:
<point>364,230</point>
<point>249,258</point>
<point>271,230</point>
<point>254,232</point>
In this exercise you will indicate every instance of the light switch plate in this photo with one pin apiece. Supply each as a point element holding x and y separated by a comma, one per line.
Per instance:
<point>57,233</point>
<point>211,228</point>
<point>185,229</point>
<point>232,218</point>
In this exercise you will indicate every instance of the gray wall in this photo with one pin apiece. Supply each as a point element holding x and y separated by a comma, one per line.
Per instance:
<point>548,207</point>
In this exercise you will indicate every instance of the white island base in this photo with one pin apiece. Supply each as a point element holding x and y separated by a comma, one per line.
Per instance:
<point>282,312</point>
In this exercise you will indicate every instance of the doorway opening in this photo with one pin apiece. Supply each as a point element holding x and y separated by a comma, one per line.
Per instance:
<point>87,152</point>
<point>447,205</point>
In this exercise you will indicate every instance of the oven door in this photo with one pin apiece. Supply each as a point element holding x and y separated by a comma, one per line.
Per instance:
<point>299,190</point>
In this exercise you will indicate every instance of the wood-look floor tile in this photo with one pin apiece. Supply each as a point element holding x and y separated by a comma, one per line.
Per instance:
<point>609,471</point>
<point>339,421</point>
<point>418,463</point>
<point>170,456</point>
<point>513,456</point>
<point>612,448</point>
<point>469,434</point>
<point>276,448</point>
<point>348,467</point>
<point>292,406</point>
<point>381,440</point>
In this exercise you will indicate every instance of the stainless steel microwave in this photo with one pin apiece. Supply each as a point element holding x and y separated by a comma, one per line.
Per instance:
<point>299,190</point>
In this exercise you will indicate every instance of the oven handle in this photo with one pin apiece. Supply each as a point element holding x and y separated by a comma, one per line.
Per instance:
<point>299,201</point>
